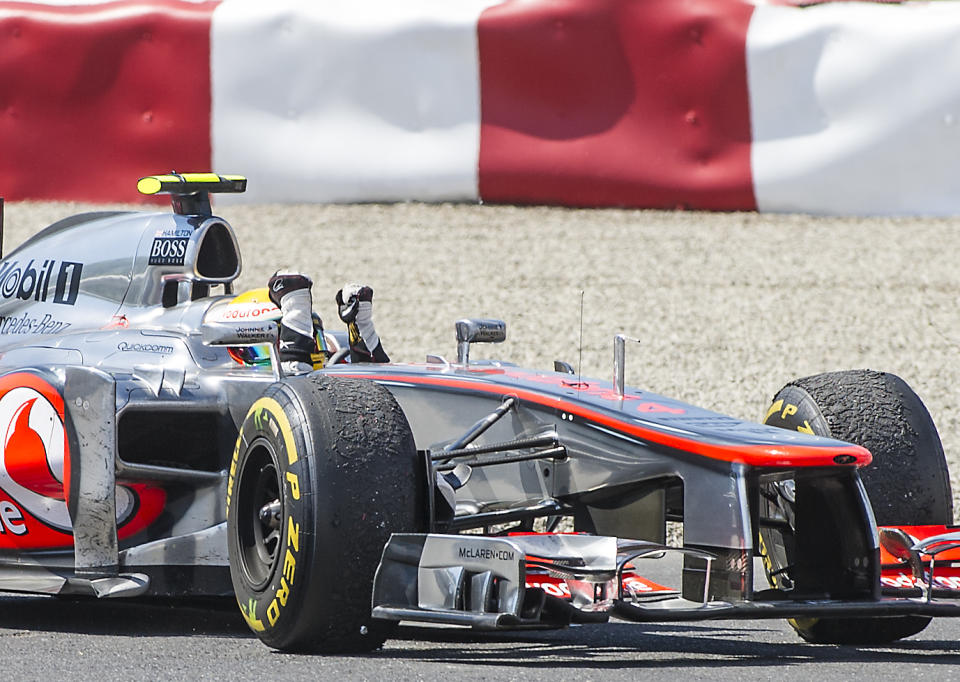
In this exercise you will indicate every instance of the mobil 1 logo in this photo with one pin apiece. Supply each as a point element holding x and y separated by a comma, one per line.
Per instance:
<point>169,248</point>
<point>38,279</point>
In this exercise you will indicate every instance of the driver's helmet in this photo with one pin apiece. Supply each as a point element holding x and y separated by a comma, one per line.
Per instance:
<point>255,304</point>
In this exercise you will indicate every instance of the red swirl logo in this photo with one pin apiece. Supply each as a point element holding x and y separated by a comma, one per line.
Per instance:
<point>34,464</point>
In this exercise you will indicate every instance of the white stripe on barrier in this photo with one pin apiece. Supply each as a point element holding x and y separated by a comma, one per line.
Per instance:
<point>345,101</point>
<point>855,108</point>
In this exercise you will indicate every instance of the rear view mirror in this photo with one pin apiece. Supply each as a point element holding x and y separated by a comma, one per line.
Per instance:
<point>471,330</point>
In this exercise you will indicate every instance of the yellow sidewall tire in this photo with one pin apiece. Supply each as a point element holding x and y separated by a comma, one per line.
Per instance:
<point>908,481</point>
<point>339,458</point>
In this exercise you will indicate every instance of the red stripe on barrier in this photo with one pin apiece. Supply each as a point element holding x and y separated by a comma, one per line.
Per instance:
<point>92,97</point>
<point>616,103</point>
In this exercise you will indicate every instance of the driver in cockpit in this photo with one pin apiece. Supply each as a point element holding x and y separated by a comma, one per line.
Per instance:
<point>301,347</point>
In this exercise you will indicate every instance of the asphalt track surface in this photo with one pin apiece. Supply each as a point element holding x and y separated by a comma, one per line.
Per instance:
<point>726,307</point>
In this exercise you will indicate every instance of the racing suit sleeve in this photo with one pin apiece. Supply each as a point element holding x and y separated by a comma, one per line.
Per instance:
<point>297,345</point>
<point>355,304</point>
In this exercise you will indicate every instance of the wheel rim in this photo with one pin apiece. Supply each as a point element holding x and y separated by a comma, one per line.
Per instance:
<point>259,510</point>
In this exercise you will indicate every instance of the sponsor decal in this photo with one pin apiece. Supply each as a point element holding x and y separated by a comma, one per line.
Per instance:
<point>168,250</point>
<point>29,324</point>
<point>557,587</point>
<point>249,612</point>
<point>554,589</point>
<point>34,452</point>
<point>32,280</point>
<point>11,519</point>
<point>487,553</point>
<point>254,334</point>
<point>247,311</point>
<point>173,232</point>
<point>282,595</point>
<point>904,580</point>
<point>787,411</point>
<point>269,416</point>
<point>144,348</point>
<point>35,470</point>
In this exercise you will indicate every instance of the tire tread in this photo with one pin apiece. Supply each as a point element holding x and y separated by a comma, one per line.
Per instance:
<point>908,481</point>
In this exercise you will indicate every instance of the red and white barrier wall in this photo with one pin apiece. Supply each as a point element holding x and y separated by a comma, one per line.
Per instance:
<point>847,108</point>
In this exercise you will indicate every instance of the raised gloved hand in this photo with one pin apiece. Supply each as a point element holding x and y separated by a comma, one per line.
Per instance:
<point>355,306</point>
<point>290,291</point>
<point>349,299</point>
<point>283,283</point>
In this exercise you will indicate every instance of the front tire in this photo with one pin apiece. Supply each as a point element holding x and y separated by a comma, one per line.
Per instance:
<point>908,482</point>
<point>323,472</point>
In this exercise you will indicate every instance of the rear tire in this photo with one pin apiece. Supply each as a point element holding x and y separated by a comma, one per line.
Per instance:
<point>908,482</point>
<point>324,471</point>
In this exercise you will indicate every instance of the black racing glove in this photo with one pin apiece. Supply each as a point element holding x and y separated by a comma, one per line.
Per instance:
<point>297,345</point>
<point>282,283</point>
<point>348,309</point>
<point>355,306</point>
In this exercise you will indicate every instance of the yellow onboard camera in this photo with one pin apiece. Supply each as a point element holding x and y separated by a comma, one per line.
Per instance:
<point>190,192</point>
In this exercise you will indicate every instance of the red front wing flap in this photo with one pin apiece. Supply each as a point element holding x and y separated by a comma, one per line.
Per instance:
<point>897,574</point>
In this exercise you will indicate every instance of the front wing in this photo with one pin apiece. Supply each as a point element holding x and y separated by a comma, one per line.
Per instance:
<point>551,580</point>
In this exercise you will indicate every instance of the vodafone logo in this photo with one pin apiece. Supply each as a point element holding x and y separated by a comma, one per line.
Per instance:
<point>248,311</point>
<point>34,445</point>
<point>34,461</point>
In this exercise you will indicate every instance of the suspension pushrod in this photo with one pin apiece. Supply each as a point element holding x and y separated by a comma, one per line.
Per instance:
<point>521,444</point>
<point>558,452</point>
<point>477,429</point>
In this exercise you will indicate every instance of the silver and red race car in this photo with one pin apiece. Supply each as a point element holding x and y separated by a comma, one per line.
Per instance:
<point>143,457</point>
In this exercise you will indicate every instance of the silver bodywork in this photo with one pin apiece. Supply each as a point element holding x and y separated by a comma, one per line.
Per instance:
<point>116,327</point>
<point>122,321</point>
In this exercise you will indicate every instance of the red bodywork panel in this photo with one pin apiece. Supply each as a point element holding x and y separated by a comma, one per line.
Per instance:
<point>947,568</point>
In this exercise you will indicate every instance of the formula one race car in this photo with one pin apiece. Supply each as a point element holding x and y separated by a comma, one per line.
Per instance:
<point>141,458</point>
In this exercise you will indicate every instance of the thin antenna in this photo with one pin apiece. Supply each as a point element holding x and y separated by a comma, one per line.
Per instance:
<point>580,345</point>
